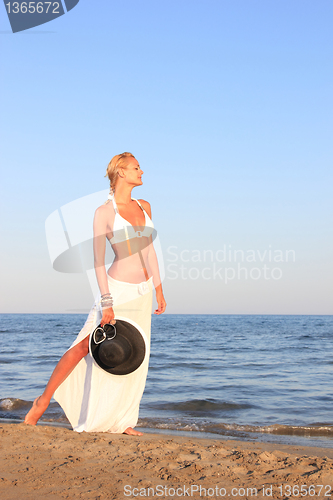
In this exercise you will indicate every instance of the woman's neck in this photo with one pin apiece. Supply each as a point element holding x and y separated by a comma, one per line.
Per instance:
<point>123,194</point>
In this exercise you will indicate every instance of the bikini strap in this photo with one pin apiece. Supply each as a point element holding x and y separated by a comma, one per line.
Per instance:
<point>139,204</point>
<point>115,206</point>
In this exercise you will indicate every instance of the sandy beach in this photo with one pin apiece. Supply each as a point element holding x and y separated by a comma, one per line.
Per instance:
<point>46,462</point>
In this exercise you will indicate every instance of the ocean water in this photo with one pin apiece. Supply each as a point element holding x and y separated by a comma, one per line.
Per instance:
<point>266,378</point>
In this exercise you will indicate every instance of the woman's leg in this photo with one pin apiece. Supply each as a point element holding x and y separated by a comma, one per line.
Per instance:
<point>64,367</point>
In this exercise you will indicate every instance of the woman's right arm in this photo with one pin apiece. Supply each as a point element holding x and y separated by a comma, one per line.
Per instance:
<point>100,231</point>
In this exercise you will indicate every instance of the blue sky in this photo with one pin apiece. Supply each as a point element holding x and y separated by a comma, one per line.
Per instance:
<point>228,108</point>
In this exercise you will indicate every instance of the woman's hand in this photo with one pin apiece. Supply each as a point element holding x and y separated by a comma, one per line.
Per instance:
<point>108,316</point>
<point>160,302</point>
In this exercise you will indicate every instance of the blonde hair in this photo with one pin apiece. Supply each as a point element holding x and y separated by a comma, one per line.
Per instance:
<point>117,162</point>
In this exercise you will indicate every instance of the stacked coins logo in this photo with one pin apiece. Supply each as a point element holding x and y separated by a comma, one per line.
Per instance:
<point>25,15</point>
<point>69,236</point>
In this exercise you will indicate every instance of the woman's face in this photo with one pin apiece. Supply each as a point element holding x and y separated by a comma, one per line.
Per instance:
<point>133,173</point>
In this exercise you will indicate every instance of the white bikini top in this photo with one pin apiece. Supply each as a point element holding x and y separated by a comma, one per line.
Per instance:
<point>123,230</point>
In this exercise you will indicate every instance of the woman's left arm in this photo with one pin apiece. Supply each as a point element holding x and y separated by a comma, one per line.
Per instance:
<point>153,266</point>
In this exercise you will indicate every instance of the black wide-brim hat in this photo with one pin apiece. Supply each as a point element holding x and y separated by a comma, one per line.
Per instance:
<point>118,349</point>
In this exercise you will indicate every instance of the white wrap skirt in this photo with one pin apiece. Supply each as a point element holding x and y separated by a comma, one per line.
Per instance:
<point>93,399</point>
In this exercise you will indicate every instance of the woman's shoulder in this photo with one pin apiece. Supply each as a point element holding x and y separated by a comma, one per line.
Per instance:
<point>146,206</point>
<point>104,211</point>
<point>103,219</point>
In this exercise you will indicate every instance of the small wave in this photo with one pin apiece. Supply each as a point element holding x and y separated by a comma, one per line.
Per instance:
<point>236,430</point>
<point>11,404</point>
<point>16,409</point>
<point>201,405</point>
<point>306,430</point>
<point>278,429</point>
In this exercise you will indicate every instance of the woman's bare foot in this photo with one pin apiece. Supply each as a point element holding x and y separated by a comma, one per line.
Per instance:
<point>35,412</point>
<point>132,432</point>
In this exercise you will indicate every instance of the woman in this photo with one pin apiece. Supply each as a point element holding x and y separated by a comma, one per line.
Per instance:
<point>92,399</point>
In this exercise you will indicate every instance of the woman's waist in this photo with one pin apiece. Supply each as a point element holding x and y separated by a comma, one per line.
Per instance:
<point>123,254</point>
<point>122,275</point>
<point>125,283</point>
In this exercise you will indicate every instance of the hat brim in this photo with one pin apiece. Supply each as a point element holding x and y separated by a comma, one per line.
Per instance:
<point>134,335</point>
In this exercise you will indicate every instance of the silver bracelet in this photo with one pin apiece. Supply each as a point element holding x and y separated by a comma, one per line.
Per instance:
<point>106,301</point>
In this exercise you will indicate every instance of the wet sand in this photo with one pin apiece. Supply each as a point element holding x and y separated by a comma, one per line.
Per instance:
<point>46,462</point>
